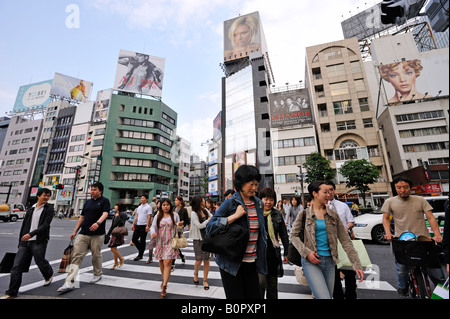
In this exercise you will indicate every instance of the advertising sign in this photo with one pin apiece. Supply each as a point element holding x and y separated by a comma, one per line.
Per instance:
<point>33,96</point>
<point>217,127</point>
<point>290,108</point>
<point>139,73</point>
<point>213,172</point>
<point>242,36</point>
<point>65,194</point>
<point>102,105</point>
<point>71,88</point>
<point>416,79</point>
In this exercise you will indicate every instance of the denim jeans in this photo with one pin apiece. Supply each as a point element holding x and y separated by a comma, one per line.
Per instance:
<point>320,277</point>
<point>436,275</point>
<point>26,251</point>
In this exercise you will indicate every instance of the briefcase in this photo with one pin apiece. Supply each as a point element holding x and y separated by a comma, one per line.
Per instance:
<point>7,263</point>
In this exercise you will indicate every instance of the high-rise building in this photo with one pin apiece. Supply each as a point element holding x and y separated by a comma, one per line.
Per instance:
<point>139,147</point>
<point>345,113</point>
<point>245,91</point>
<point>18,154</point>
<point>184,154</point>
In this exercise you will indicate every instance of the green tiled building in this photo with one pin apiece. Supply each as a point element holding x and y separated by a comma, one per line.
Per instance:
<point>139,150</point>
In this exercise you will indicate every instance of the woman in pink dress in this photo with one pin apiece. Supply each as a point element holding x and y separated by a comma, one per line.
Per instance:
<point>164,229</point>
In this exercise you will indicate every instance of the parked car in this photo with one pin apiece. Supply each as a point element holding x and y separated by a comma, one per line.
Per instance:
<point>370,225</point>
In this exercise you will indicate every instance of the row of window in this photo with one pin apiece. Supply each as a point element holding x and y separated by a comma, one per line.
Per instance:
<point>144,110</point>
<point>346,125</point>
<point>424,131</point>
<point>15,172</point>
<point>145,123</point>
<point>425,147</point>
<point>419,116</point>
<point>22,141</point>
<point>290,160</point>
<point>143,163</point>
<point>296,142</point>
<point>24,131</point>
<point>134,177</point>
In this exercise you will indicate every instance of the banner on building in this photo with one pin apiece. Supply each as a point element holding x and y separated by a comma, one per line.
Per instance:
<point>71,88</point>
<point>33,96</point>
<point>217,127</point>
<point>101,108</point>
<point>290,108</point>
<point>139,73</point>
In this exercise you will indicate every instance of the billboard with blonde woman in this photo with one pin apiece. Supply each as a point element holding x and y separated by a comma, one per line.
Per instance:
<point>242,36</point>
<point>415,79</point>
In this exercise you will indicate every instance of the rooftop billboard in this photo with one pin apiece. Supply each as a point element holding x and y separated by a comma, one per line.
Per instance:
<point>139,73</point>
<point>33,96</point>
<point>242,36</point>
<point>71,88</point>
<point>416,79</point>
<point>290,108</point>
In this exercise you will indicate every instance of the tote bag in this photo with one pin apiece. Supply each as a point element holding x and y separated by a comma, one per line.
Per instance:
<point>344,262</point>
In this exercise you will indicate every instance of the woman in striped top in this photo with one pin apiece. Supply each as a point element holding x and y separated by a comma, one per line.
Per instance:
<point>240,277</point>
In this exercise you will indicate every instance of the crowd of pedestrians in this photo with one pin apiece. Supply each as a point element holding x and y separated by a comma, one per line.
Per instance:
<point>313,229</point>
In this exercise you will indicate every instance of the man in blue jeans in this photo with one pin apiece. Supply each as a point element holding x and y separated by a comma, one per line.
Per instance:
<point>408,213</point>
<point>34,236</point>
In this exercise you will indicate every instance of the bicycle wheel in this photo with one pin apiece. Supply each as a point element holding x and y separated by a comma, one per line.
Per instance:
<point>421,285</point>
<point>412,285</point>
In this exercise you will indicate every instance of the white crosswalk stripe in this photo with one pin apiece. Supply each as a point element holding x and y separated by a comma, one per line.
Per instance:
<point>181,279</point>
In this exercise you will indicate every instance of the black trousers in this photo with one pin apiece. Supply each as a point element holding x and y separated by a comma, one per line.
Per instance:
<point>245,285</point>
<point>350,285</point>
<point>139,237</point>
<point>28,250</point>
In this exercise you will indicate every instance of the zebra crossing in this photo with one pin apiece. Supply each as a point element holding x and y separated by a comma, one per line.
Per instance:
<point>139,276</point>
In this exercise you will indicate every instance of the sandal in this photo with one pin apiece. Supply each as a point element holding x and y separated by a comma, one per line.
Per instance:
<point>207,286</point>
<point>149,261</point>
<point>114,266</point>
<point>196,282</point>
<point>121,262</point>
<point>163,292</point>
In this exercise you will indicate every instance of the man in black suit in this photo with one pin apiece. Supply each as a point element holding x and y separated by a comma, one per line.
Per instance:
<point>34,236</point>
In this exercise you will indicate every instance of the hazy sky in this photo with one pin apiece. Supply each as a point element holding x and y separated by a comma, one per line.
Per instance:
<point>39,38</point>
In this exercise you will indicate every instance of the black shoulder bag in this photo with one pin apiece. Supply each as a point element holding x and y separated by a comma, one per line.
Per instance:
<point>293,254</point>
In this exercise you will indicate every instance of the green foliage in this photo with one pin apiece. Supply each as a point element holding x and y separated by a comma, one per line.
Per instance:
<point>360,174</point>
<point>318,168</point>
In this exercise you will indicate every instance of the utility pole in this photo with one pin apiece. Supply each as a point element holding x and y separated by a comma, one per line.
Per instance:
<point>301,184</point>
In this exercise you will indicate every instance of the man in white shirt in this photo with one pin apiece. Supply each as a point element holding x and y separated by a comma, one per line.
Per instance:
<point>34,236</point>
<point>141,226</point>
<point>347,219</point>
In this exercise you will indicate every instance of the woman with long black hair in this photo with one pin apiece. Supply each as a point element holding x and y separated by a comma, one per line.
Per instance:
<point>199,218</point>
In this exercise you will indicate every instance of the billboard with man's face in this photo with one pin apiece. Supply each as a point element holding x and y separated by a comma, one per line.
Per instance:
<point>71,88</point>
<point>290,108</point>
<point>139,73</point>
<point>242,36</point>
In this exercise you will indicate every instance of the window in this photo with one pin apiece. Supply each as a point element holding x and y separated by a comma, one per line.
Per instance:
<point>419,116</point>
<point>423,132</point>
<point>346,125</point>
<point>322,109</point>
<point>367,123</point>
<point>342,107</point>
<point>364,104</point>
<point>339,88</point>
<point>360,86</point>
<point>413,148</point>
<point>336,70</point>
<point>356,67</point>
<point>332,53</point>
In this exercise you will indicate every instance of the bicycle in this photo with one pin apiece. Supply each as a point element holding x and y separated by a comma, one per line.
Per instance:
<point>419,255</point>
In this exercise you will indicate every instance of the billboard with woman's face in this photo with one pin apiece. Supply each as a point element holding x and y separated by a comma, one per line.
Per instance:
<point>242,36</point>
<point>415,79</point>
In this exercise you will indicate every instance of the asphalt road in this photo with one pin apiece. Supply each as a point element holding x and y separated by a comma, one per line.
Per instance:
<point>380,283</point>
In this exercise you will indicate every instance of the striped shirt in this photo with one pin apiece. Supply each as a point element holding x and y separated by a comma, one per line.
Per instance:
<point>250,252</point>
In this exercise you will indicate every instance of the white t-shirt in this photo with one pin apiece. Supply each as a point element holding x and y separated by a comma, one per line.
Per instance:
<point>142,214</point>
<point>343,211</point>
<point>35,219</point>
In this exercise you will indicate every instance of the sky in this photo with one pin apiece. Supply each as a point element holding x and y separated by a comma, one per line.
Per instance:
<point>82,39</point>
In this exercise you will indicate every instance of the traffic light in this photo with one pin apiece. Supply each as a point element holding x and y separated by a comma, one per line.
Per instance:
<point>59,186</point>
<point>393,11</point>
<point>78,174</point>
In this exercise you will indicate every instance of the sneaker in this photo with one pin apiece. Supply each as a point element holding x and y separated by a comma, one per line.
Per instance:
<point>402,292</point>
<point>95,279</point>
<point>5,296</point>
<point>48,281</point>
<point>65,288</point>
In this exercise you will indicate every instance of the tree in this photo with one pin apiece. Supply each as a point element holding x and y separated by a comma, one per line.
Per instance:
<point>318,168</point>
<point>360,174</point>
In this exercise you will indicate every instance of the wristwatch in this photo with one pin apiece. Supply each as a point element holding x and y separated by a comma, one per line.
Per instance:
<point>97,223</point>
